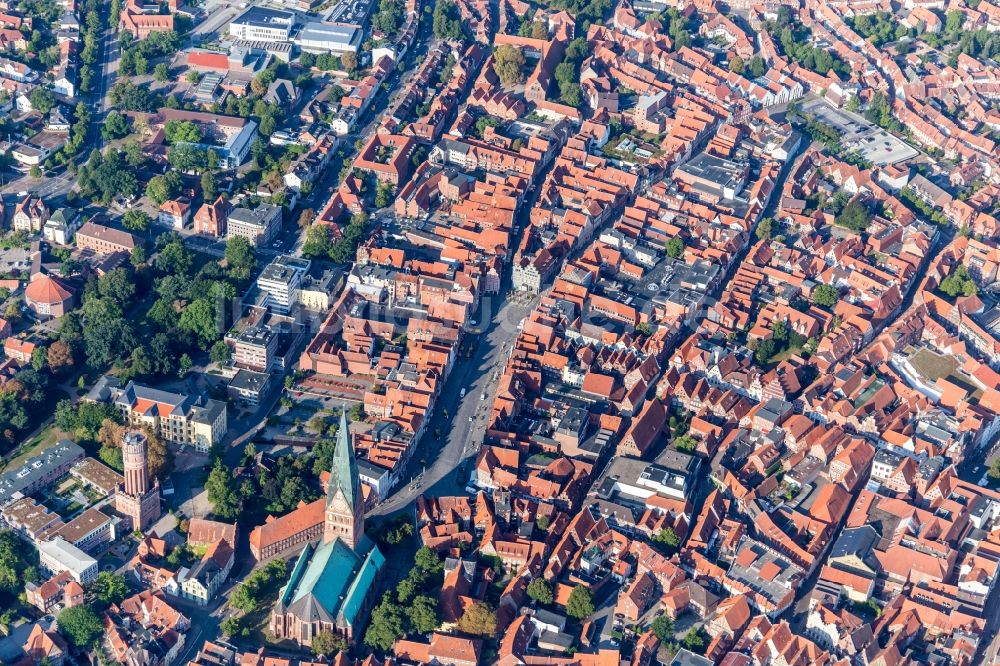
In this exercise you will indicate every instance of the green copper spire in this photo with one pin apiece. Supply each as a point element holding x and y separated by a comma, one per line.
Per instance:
<point>344,471</point>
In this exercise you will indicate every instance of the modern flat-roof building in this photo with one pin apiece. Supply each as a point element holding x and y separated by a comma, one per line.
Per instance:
<point>30,519</point>
<point>263,24</point>
<point>58,555</point>
<point>39,471</point>
<point>97,475</point>
<point>249,387</point>
<point>714,177</point>
<point>259,226</point>
<point>180,419</point>
<point>281,280</point>
<point>321,37</point>
<point>89,530</point>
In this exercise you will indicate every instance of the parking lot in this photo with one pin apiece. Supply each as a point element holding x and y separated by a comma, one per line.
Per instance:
<point>349,11</point>
<point>874,143</point>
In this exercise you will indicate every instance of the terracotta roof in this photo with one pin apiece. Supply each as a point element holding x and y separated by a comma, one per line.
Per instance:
<point>46,289</point>
<point>204,532</point>
<point>102,233</point>
<point>278,529</point>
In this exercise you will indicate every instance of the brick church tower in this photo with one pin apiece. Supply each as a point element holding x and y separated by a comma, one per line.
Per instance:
<point>344,517</point>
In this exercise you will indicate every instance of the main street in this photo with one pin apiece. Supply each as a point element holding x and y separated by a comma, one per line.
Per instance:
<point>459,423</point>
<point>54,186</point>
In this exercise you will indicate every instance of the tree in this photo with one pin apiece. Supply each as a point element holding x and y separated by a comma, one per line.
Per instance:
<point>165,187</point>
<point>136,220</point>
<point>581,603</point>
<point>38,357</point>
<point>427,560</point>
<point>779,330</point>
<point>306,218</point>
<point>181,131</point>
<point>192,76</point>
<point>423,614</point>
<point>35,171</point>
<point>81,626</point>
<point>174,259</point>
<point>231,626</point>
<point>118,285</point>
<point>994,470</point>
<point>663,627</point>
<point>59,357</point>
<point>825,295</point>
<point>764,351</point>
<point>953,22</point>
<point>42,99</point>
<point>161,72</point>
<point>15,567</point>
<point>349,60</point>
<point>109,588</point>
<point>209,188</point>
<point>240,258</point>
<point>667,539</point>
<point>198,317</point>
<point>219,353</point>
<point>765,229</point>
<point>675,247</point>
<point>854,216</point>
<point>508,63</point>
<point>317,243</point>
<point>695,640</point>
<point>383,194</point>
<point>386,625</point>
<point>479,619</point>
<point>115,126</point>
<point>222,492</point>
<point>757,66</point>
<point>327,644</point>
<point>540,591</point>
<point>686,443</point>
<point>737,65</point>
<point>184,365</point>
<point>959,283</point>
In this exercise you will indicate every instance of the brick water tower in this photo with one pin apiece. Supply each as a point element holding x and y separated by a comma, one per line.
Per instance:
<point>140,499</point>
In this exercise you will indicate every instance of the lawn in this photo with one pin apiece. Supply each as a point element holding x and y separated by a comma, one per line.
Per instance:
<point>44,440</point>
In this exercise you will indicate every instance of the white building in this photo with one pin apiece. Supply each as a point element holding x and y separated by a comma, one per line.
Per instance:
<point>59,555</point>
<point>61,227</point>
<point>206,577</point>
<point>263,25</point>
<point>281,280</point>
<point>338,38</point>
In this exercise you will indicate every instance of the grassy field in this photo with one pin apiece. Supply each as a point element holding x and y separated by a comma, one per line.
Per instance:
<point>43,440</point>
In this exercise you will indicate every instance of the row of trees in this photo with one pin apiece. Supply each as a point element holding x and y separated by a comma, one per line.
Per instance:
<point>413,607</point>
<point>567,74</point>
<point>753,68</point>
<point>92,29</point>
<point>328,62</point>
<point>252,595</point>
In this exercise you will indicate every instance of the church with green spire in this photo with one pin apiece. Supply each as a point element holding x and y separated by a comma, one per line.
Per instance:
<point>333,582</point>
